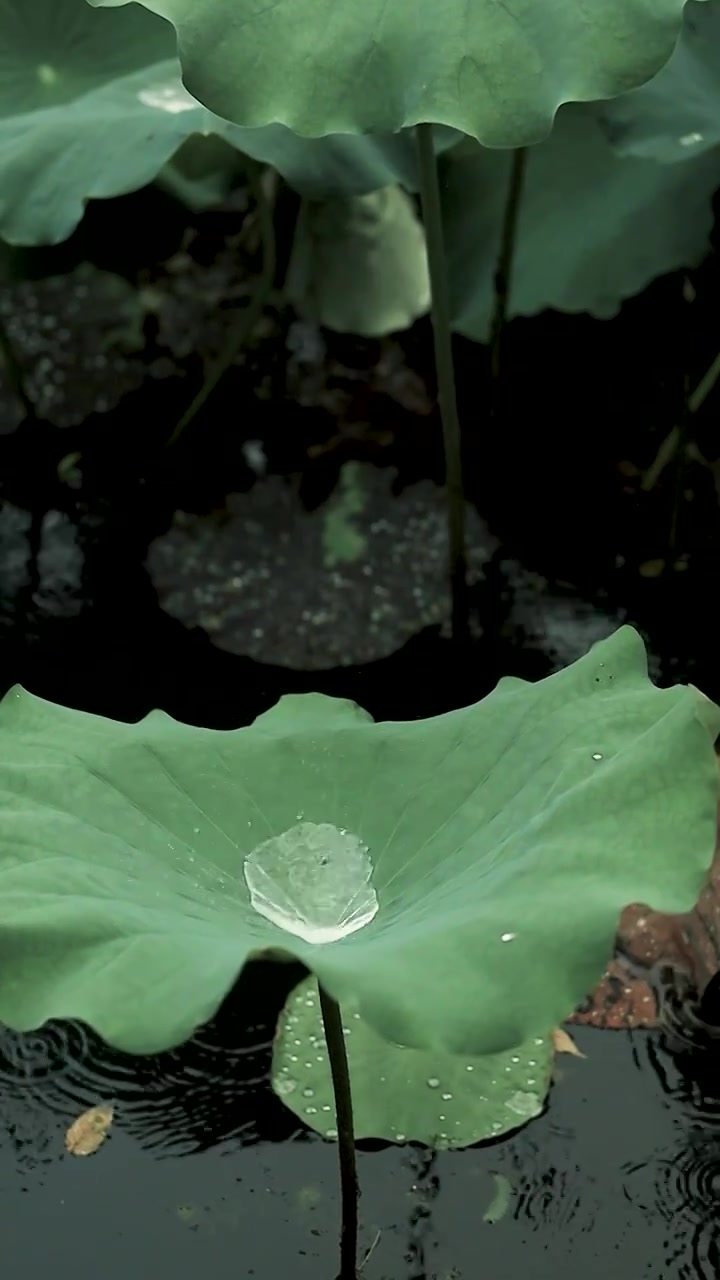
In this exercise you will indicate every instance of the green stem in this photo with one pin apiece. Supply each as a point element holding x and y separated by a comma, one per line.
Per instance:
<point>677,436</point>
<point>15,375</point>
<point>447,396</point>
<point>503,270</point>
<point>251,314</point>
<point>335,1040</point>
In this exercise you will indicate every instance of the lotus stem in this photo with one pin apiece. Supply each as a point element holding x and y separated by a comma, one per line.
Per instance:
<point>445,369</point>
<point>349,1191</point>
<point>14,372</point>
<point>249,316</point>
<point>506,255</point>
<point>674,438</point>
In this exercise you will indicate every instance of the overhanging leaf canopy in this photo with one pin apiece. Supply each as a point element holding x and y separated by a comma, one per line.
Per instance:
<point>593,229</point>
<point>497,71</point>
<point>501,842</point>
<point>92,106</point>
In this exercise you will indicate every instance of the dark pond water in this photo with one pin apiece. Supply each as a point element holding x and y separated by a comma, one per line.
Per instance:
<point>204,1171</point>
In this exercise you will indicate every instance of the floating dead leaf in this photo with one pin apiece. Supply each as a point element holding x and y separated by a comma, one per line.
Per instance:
<point>564,1043</point>
<point>651,568</point>
<point>89,1131</point>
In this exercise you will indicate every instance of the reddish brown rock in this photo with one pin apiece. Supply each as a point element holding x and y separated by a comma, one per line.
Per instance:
<point>687,945</point>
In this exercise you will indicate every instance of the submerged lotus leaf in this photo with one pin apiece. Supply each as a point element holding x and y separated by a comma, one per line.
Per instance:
<point>504,839</point>
<point>496,71</point>
<point>405,1095</point>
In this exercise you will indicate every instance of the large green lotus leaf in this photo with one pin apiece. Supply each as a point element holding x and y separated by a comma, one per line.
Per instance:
<point>92,106</point>
<point>677,114</point>
<point>459,879</point>
<point>496,71</point>
<point>400,1094</point>
<point>593,229</point>
<point>359,264</point>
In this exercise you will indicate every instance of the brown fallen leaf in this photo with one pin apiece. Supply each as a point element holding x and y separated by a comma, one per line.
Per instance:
<point>89,1131</point>
<point>564,1043</point>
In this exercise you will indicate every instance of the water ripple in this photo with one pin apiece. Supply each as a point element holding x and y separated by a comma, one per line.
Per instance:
<point>209,1092</point>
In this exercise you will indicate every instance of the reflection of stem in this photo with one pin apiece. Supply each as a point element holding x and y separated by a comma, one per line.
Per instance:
<point>14,372</point>
<point>250,315</point>
<point>442,336</point>
<point>425,1187</point>
<point>503,270</point>
<point>337,1055</point>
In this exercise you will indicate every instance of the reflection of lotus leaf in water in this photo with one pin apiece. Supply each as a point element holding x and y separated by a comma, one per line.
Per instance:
<point>657,955</point>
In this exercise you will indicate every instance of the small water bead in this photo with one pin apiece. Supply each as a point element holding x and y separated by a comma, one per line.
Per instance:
<point>309,1065</point>
<point>309,1004</point>
<point>331,1133</point>
<point>446,1097</point>
<point>597,755</point>
<point>507,937</point>
<point>319,1058</point>
<point>327,1108</point>
<point>538,1041</point>
<point>297,1042</point>
<point>400,1137</point>
<point>293,1057</point>
<point>523,1104</point>
<point>433,1082</point>
<point>514,1058</point>
<point>532,1062</point>
<point>311,1111</point>
<point>308,1093</point>
<point>469,1067</point>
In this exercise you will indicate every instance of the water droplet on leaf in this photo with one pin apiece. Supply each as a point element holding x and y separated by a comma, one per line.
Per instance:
<point>313,881</point>
<point>523,1104</point>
